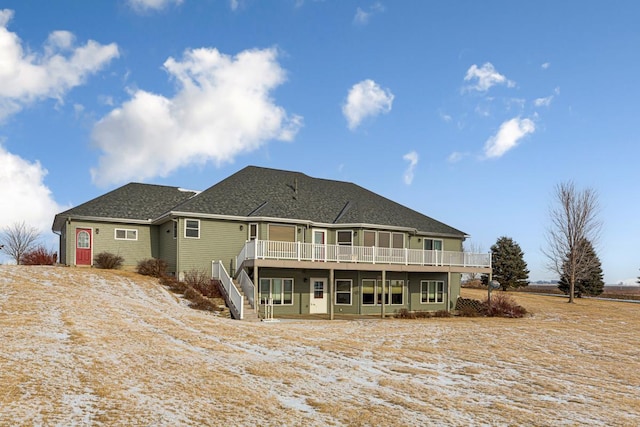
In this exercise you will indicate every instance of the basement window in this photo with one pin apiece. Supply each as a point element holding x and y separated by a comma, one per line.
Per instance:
<point>432,291</point>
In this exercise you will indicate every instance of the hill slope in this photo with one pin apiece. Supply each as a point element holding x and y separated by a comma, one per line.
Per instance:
<point>91,347</point>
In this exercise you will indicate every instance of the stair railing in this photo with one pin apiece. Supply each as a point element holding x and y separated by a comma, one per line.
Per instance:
<point>233,297</point>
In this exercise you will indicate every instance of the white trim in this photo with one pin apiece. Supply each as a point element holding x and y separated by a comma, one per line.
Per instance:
<point>191,228</point>
<point>283,279</point>
<point>422,283</point>
<point>343,292</point>
<point>126,232</point>
<point>75,243</point>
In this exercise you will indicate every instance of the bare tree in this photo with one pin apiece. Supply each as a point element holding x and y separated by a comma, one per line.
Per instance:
<point>17,239</point>
<point>573,221</point>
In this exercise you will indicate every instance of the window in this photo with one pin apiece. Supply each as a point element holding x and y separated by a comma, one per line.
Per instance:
<point>277,289</point>
<point>384,239</point>
<point>344,237</point>
<point>84,240</point>
<point>369,238</point>
<point>126,234</point>
<point>432,291</point>
<point>398,240</point>
<point>253,231</point>
<point>432,244</point>
<point>343,291</point>
<point>175,229</point>
<point>192,228</point>
<point>372,292</point>
<point>369,292</point>
<point>282,233</point>
<point>396,289</point>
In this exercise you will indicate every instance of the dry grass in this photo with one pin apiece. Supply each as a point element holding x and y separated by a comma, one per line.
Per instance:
<point>91,347</point>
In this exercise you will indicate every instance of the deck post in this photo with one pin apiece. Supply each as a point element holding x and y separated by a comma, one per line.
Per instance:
<point>331,294</point>
<point>382,305</point>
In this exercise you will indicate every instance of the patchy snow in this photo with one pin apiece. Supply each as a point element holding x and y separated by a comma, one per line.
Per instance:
<point>90,347</point>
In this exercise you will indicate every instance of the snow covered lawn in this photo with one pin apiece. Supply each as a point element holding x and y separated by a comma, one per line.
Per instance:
<point>91,347</point>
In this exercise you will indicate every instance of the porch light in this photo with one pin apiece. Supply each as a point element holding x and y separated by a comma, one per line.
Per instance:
<point>241,227</point>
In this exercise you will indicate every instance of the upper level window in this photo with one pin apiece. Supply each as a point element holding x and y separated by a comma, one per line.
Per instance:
<point>344,237</point>
<point>282,233</point>
<point>126,234</point>
<point>192,228</point>
<point>397,240</point>
<point>369,238</point>
<point>253,231</point>
<point>432,244</point>
<point>384,239</point>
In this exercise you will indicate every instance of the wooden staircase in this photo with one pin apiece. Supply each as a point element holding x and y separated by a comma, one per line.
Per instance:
<point>250,315</point>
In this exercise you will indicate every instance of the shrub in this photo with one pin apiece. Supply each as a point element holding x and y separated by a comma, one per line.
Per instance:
<point>442,313</point>
<point>200,281</point>
<point>39,256</point>
<point>152,267</point>
<point>422,314</point>
<point>108,261</point>
<point>503,305</point>
<point>173,284</point>
<point>403,313</point>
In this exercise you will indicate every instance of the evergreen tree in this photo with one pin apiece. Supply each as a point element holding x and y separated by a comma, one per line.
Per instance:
<point>592,282</point>
<point>508,265</point>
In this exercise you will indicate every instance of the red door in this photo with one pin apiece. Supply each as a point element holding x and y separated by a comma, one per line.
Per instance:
<point>83,246</point>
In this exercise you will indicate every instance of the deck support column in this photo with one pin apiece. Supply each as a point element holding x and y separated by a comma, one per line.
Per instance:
<point>256,292</point>
<point>448,291</point>
<point>331,294</point>
<point>382,304</point>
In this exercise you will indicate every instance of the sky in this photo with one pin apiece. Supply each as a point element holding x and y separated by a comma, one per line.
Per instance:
<point>469,112</point>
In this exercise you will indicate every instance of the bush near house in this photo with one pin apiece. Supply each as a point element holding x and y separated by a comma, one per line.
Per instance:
<point>39,256</point>
<point>502,305</point>
<point>108,261</point>
<point>152,267</point>
<point>198,289</point>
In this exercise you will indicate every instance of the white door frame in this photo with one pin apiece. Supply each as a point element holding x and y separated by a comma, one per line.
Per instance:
<point>317,305</point>
<point>319,248</point>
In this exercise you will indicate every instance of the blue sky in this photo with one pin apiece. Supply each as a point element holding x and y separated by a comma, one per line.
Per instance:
<point>470,112</point>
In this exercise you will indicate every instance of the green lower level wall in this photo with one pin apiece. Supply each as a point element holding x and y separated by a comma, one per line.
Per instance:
<point>411,299</point>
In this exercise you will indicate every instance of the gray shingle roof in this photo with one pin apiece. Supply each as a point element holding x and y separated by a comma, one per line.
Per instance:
<point>132,201</point>
<point>262,192</point>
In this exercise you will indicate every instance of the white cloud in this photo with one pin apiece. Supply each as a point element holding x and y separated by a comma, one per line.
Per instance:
<point>485,77</point>
<point>412,158</point>
<point>362,16</point>
<point>24,195</point>
<point>545,65</point>
<point>366,99</point>
<point>149,5</point>
<point>545,102</point>
<point>508,135</point>
<point>456,156</point>
<point>222,108</point>
<point>28,77</point>
<point>234,4</point>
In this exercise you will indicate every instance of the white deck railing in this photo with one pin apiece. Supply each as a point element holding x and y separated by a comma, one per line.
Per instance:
<point>247,287</point>
<point>233,296</point>
<point>298,251</point>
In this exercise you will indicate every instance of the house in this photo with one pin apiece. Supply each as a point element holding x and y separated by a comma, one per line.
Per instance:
<point>281,240</point>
